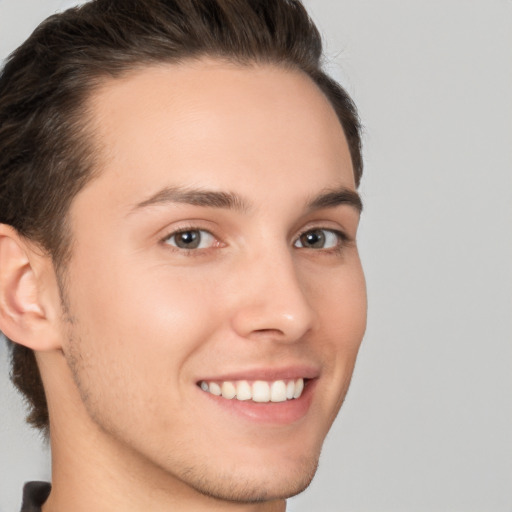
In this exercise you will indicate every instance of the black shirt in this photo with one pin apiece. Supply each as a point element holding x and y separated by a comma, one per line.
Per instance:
<point>34,495</point>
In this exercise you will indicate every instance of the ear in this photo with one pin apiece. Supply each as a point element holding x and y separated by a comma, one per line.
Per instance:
<point>29,298</point>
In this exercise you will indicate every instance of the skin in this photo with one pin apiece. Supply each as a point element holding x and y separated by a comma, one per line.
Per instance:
<point>144,321</point>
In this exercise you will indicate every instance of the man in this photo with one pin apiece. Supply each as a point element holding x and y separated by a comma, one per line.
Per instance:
<point>179,273</point>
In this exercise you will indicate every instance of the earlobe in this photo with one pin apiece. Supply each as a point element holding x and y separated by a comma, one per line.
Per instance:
<point>24,314</point>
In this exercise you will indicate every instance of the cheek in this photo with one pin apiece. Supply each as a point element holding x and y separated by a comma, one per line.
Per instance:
<point>353,302</point>
<point>130,297</point>
<point>342,312</point>
<point>132,340</point>
<point>141,326</point>
<point>341,303</point>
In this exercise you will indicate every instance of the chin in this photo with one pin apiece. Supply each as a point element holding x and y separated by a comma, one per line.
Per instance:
<point>253,485</point>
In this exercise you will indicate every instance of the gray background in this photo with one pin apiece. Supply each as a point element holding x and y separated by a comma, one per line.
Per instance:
<point>427,425</point>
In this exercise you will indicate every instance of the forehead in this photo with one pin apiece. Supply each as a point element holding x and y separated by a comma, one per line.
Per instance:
<point>208,122</point>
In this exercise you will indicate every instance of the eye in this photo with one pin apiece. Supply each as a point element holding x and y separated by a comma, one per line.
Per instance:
<point>319,239</point>
<point>191,239</point>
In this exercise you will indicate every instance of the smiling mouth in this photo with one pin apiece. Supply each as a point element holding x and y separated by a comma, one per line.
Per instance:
<point>259,391</point>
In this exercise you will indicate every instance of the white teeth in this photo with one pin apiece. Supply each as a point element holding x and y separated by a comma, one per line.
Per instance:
<point>214,388</point>
<point>228,390</point>
<point>258,391</point>
<point>278,391</point>
<point>243,390</point>
<point>290,389</point>
<point>299,386</point>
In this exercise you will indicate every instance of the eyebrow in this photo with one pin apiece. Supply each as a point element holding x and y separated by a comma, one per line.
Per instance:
<point>336,197</point>
<point>331,198</point>
<point>196,197</point>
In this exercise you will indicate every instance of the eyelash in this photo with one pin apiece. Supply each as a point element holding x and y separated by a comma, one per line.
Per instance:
<point>187,229</point>
<point>342,240</point>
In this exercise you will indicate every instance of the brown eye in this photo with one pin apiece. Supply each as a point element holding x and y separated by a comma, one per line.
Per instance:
<point>191,239</point>
<point>313,239</point>
<point>319,239</point>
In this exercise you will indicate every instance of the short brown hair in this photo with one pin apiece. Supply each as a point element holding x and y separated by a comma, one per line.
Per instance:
<point>46,156</point>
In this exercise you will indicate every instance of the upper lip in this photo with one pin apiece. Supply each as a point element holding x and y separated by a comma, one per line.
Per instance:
<point>267,374</point>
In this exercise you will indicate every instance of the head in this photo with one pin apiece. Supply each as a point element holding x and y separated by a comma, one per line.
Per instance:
<point>98,115</point>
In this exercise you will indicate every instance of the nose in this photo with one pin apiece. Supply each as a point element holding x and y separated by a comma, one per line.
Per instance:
<point>272,300</point>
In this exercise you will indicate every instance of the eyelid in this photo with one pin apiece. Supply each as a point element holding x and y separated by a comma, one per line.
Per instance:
<point>335,229</point>
<point>341,233</point>
<point>190,227</point>
<point>343,238</point>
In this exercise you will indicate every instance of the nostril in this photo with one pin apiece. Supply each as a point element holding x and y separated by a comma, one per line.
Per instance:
<point>273,317</point>
<point>269,332</point>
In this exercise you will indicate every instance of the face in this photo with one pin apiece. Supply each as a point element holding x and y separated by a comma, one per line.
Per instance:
<point>215,255</point>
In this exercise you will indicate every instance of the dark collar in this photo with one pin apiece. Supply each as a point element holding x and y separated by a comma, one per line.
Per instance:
<point>34,495</point>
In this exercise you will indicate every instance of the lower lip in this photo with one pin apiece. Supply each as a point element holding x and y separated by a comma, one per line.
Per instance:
<point>277,413</point>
